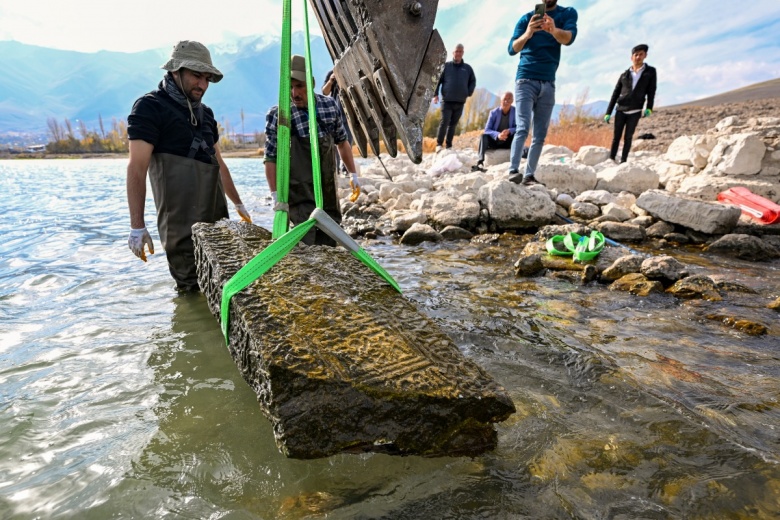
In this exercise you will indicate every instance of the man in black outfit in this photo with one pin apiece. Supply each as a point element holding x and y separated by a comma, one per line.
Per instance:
<point>457,83</point>
<point>174,137</point>
<point>633,86</point>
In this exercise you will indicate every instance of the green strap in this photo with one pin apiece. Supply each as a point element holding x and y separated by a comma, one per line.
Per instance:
<point>281,221</point>
<point>314,137</point>
<point>258,266</point>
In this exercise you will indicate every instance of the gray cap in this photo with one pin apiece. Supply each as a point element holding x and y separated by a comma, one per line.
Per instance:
<point>194,56</point>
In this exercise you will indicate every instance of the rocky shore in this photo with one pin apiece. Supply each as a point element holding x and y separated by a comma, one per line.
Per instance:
<point>656,200</point>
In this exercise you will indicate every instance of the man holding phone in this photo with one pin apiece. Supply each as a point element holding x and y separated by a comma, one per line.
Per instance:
<point>538,37</point>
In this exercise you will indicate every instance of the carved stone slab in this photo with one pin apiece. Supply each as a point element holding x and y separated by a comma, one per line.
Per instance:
<point>340,361</point>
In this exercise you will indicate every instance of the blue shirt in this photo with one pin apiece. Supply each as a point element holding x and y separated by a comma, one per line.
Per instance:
<point>328,123</point>
<point>540,57</point>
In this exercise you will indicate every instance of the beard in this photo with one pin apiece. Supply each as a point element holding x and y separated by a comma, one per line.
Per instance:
<point>551,3</point>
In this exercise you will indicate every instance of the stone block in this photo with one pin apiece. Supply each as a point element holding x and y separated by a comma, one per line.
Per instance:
<point>339,360</point>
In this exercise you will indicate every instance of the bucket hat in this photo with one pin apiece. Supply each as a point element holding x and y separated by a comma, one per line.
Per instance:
<point>298,68</point>
<point>192,55</point>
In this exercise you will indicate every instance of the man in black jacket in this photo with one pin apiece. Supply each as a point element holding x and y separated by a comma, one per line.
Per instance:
<point>457,83</point>
<point>633,86</point>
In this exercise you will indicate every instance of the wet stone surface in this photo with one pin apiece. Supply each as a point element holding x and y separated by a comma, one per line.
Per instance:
<point>339,360</point>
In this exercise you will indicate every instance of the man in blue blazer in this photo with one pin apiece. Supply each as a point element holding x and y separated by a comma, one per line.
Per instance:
<point>499,130</point>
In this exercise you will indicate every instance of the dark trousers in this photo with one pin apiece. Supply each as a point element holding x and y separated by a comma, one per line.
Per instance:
<point>450,115</point>
<point>487,142</point>
<point>627,122</point>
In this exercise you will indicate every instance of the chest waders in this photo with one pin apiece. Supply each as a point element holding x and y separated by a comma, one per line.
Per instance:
<point>185,191</point>
<point>302,199</point>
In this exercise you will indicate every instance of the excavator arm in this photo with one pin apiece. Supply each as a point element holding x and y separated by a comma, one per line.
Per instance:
<point>387,60</point>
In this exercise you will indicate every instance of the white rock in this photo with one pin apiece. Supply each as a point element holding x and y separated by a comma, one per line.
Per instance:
<point>565,200</point>
<point>403,220</point>
<point>738,154</point>
<point>598,197</point>
<point>619,212</point>
<point>679,152</point>
<point>625,199</point>
<point>512,206</point>
<point>592,155</point>
<point>627,177</point>
<point>568,177</point>
<point>497,156</point>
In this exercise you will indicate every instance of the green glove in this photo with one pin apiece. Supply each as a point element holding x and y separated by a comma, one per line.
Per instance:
<point>607,118</point>
<point>648,112</point>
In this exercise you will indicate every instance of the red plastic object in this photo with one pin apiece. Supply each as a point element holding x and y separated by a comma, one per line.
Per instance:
<point>762,210</point>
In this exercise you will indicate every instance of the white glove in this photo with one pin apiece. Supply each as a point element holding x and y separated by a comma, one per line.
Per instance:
<point>279,206</point>
<point>138,238</point>
<point>243,213</point>
<point>354,182</point>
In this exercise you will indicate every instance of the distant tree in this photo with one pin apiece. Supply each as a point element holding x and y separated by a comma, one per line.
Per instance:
<point>431,123</point>
<point>64,140</point>
<point>476,111</point>
<point>55,129</point>
<point>242,125</point>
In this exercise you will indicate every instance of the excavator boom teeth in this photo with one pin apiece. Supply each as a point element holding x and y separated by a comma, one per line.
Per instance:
<point>387,59</point>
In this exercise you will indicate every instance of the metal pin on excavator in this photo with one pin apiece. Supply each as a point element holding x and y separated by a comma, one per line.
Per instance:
<point>387,59</point>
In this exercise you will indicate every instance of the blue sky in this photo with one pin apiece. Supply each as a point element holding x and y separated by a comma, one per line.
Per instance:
<point>700,47</point>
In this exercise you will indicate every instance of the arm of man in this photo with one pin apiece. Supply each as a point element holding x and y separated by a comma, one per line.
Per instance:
<point>227,179</point>
<point>438,86</point>
<point>345,152</point>
<point>472,81</point>
<point>230,187</point>
<point>270,175</point>
<point>524,31</point>
<point>270,147</point>
<point>327,87</point>
<point>615,95</point>
<point>567,32</point>
<point>491,127</point>
<point>140,157</point>
<point>651,90</point>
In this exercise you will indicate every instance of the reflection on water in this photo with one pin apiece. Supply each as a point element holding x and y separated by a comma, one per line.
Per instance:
<point>119,399</point>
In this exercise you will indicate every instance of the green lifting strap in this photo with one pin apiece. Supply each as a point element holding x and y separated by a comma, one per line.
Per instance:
<point>286,240</point>
<point>281,222</point>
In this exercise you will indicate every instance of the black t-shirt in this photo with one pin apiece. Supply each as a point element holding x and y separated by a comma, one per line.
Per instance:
<point>157,119</point>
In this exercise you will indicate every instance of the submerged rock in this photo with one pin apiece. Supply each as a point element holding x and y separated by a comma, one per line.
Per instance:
<point>638,284</point>
<point>340,361</point>
<point>746,247</point>
<point>696,286</point>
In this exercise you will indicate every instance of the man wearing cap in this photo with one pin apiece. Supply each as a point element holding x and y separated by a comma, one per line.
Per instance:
<point>331,135</point>
<point>174,137</point>
<point>634,85</point>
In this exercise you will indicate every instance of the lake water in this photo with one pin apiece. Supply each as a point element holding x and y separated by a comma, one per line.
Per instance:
<point>118,398</point>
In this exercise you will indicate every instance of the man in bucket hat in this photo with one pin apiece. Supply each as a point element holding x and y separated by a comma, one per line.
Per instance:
<point>174,137</point>
<point>331,134</point>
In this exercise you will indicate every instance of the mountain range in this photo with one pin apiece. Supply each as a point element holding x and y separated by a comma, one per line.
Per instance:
<point>41,83</point>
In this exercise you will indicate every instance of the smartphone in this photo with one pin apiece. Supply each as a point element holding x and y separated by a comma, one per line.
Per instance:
<point>540,9</point>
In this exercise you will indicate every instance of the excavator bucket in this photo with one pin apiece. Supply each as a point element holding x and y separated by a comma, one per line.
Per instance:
<point>387,60</point>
